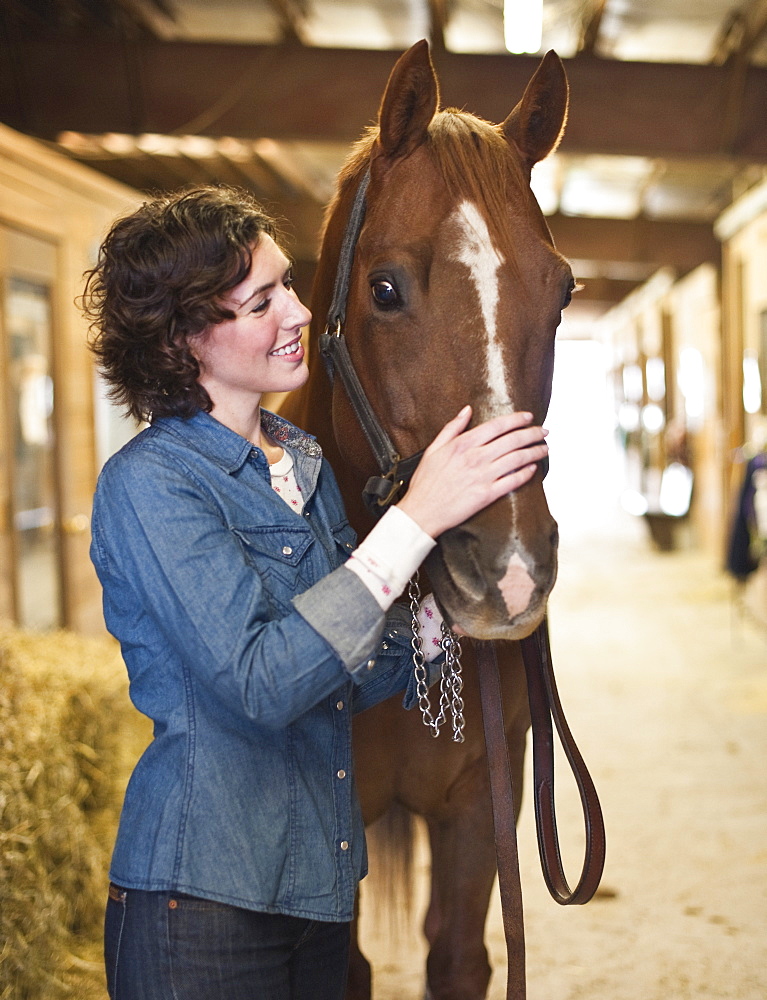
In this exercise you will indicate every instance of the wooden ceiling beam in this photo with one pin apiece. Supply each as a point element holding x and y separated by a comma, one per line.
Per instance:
<point>291,92</point>
<point>643,243</point>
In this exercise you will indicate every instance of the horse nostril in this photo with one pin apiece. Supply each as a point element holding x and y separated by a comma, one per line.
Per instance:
<point>554,537</point>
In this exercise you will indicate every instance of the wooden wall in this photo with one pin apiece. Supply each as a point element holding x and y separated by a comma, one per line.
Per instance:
<point>743,231</point>
<point>67,208</point>
<point>665,339</point>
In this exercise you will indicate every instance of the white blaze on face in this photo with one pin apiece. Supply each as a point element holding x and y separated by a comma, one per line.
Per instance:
<point>475,250</point>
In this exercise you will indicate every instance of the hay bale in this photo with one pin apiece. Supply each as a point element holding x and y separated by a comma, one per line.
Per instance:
<point>68,738</point>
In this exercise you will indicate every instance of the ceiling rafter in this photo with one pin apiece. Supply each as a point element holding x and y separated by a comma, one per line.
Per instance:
<point>656,110</point>
<point>591,22</point>
<point>741,33</point>
<point>149,66</point>
<point>438,16</point>
<point>155,17</point>
<point>292,17</point>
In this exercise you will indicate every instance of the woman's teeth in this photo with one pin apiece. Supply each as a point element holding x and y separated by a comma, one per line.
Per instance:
<point>290,349</point>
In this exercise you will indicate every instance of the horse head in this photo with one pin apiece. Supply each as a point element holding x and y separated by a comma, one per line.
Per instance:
<point>454,297</point>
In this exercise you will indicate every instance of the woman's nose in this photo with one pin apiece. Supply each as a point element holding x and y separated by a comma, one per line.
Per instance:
<point>302,314</point>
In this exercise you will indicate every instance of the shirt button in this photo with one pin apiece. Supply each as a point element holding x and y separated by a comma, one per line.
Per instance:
<point>371,664</point>
<point>341,773</point>
<point>344,845</point>
<point>307,513</point>
<point>287,550</point>
<point>339,705</point>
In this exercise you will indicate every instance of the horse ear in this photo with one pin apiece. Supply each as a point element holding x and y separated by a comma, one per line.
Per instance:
<point>409,103</point>
<point>536,124</point>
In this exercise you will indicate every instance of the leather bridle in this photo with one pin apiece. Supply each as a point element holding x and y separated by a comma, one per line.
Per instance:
<point>383,490</point>
<point>395,472</point>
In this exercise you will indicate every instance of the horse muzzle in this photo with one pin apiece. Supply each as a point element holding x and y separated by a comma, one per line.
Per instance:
<point>491,588</point>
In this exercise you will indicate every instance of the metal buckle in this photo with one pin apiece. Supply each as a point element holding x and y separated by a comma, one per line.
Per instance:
<point>396,484</point>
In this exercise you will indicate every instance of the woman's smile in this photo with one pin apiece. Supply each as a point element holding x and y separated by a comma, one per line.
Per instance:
<point>294,351</point>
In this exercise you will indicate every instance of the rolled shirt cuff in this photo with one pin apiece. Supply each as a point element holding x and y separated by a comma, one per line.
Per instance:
<point>346,615</point>
<point>389,555</point>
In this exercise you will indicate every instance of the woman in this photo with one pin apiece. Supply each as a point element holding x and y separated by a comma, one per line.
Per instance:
<point>251,626</point>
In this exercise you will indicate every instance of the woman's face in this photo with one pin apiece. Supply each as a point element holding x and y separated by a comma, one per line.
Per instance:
<point>260,350</point>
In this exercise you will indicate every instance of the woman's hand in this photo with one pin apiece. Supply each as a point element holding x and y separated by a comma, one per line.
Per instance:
<point>462,472</point>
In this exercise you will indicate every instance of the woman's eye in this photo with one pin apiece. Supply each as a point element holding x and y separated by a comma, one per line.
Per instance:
<point>288,280</point>
<point>384,293</point>
<point>261,307</point>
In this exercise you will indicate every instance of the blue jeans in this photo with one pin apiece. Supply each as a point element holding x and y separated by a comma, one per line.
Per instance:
<point>170,946</point>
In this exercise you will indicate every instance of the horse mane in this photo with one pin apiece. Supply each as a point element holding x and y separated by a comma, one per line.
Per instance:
<point>475,161</point>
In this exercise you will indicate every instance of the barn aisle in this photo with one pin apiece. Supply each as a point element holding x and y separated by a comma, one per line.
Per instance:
<point>665,689</point>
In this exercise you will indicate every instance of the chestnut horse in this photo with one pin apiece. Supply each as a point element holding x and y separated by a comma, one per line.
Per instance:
<point>455,295</point>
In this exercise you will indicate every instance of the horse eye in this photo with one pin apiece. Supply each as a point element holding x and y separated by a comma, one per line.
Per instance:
<point>384,293</point>
<point>571,288</point>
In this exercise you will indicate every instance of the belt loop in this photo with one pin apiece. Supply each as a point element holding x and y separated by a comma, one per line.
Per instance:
<point>117,893</point>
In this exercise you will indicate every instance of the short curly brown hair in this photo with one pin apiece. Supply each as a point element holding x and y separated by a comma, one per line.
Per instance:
<point>158,282</point>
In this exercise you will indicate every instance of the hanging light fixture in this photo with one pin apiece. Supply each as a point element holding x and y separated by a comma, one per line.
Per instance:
<point>523,25</point>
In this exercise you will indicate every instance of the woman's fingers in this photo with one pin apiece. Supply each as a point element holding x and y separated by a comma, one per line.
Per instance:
<point>526,454</point>
<point>513,445</point>
<point>462,472</point>
<point>491,430</point>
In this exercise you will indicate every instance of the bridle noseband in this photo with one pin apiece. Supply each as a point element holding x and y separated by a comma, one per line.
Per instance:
<point>395,472</point>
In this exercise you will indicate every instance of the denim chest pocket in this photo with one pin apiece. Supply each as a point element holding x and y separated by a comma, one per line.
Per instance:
<point>282,558</point>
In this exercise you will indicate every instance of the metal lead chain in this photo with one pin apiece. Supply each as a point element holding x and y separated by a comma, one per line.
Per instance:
<point>452,647</point>
<point>419,660</point>
<point>451,680</point>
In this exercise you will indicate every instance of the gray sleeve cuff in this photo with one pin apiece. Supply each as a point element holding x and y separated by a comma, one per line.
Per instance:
<point>344,612</point>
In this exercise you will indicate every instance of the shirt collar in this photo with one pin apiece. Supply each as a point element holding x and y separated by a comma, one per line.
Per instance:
<point>230,450</point>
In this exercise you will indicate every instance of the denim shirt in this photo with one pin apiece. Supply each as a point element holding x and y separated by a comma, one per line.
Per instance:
<point>250,647</point>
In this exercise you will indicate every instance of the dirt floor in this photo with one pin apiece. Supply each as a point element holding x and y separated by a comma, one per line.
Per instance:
<point>665,688</point>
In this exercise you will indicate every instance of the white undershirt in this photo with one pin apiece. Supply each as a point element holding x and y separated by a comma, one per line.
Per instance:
<point>385,560</point>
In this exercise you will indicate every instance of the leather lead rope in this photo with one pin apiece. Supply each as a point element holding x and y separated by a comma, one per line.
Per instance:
<point>544,705</point>
<point>504,818</point>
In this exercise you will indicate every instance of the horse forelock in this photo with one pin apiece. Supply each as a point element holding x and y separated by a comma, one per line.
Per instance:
<point>476,163</point>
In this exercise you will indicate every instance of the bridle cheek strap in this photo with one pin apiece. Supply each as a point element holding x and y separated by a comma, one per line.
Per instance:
<point>380,491</point>
<point>395,472</point>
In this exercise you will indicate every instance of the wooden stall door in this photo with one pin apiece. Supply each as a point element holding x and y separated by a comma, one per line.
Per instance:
<point>31,547</point>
